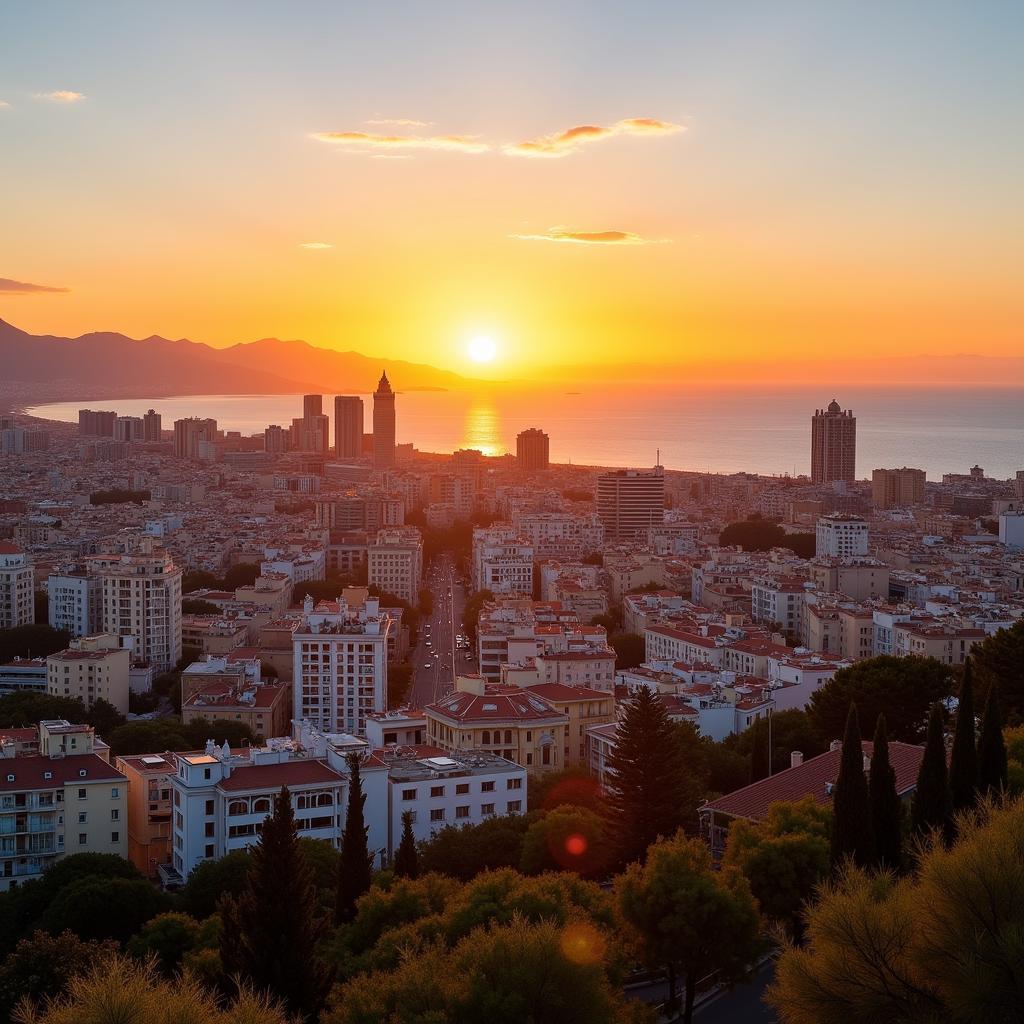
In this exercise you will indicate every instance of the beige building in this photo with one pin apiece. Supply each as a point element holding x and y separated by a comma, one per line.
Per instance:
<point>949,644</point>
<point>584,708</point>
<point>149,809</point>
<point>897,488</point>
<point>17,581</point>
<point>271,592</point>
<point>265,709</point>
<point>859,579</point>
<point>66,799</point>
<point>213,634</point>
<point>92,668</point>
<point>395,562</point>
<point>843,629</point>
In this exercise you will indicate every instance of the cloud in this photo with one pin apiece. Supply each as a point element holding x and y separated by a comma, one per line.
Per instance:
<point>9,287</point>
<point>61,96</point>
<point>316,245</point>
<point>366,141</point>
<point>590,237</point>
<point>398,122</point>
<point>563,143</point>
<point>4,105</point>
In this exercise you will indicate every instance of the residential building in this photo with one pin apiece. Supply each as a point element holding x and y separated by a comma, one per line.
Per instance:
<point>395,562</point>
<point>348,427</point>
<point>23,675</point>
<point>190,434</point>
<point>1011,529</point>
<point>149,808</point>
<point>276,438</point>
<point>502,561</point>
<point>93,668</point>
<point>17,587</point>
<point>833,445</point>
<point>841,536</point>
<point>383,424</point>
<point>560,534</point>
<point>152,426</point>
<point>75,599</point>
<point>532,450</point>
<point>860,579</point>
<point>630,501</point>
<point>95,423</point>
<point>897,488</point>
<point>265,709</point>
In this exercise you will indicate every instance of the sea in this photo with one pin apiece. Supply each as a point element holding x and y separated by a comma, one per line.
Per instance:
<point>708,429</point>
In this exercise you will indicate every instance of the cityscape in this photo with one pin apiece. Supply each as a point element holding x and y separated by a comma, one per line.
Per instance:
<point>304,721</point>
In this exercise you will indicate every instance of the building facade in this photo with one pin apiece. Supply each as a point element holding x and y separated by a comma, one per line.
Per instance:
<point>532,450</point>
<point>833,445</point>
<point>348,426</point>
<point>383,424</point>
<point>630,501</point>
<point>17,586</point>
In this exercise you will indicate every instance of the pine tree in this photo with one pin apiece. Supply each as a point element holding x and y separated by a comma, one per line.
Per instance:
<point>652,791</point>
<point>851,814</point>
<point>355,867</point>
<point>406,860</point>
<point>270,931</point>
<point>992,767</point>
<point>963,764</point>
<point>886,806</point>
<point>933,805</point>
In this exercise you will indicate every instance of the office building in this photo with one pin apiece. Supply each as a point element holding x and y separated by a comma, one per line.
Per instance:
<point>348,426</point>
<point>841,536</point>
<point>17,584</point>
<point>383,424</point>
<point>532,450</point>
<point>395,562</point>
<point>833,445</point>
<point>152,426</point>
<point>630,501</point>
<point>96,423</point>
<point>191,434</point>
<point>93,668</point>
<point>897,488</point>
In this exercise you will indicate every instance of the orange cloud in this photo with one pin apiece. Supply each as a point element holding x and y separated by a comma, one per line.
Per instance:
<point>563,143</point>
<point>316,245</point>
<point>61,96</point>
<point>590,237</point>
<point>366,141</point>
<point>399,122</point>
<point>9,287</point>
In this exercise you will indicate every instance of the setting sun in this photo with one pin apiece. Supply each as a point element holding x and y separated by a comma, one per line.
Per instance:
<point>482,349</point>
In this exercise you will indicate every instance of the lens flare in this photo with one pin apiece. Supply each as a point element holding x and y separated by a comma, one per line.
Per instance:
<point>582,943</point>
<point>576,845</point>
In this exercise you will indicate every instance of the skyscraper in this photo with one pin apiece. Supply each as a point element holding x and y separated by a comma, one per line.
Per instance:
<point>348,426</point>
<point>190,433</point>
<point>312,405</point>
<point>383,424</point>
<point>897,488</point>
<point>630,500</point>
<point>152,426</point>
<point>833,444</point>
<point>532,449</point>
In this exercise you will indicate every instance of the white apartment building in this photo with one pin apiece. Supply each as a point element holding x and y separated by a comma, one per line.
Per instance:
<point>1011,529</point>
<point>395,562</point>
<point>17,583</point>
<point>841,536</point>
<point>93,668</point>
<point>142,599</point>
<point>502,561</point>
<point>65,799</point>
<point>560,534</point>
<point>339,669</point>
<point>779,600</point>
<point>75,602</point>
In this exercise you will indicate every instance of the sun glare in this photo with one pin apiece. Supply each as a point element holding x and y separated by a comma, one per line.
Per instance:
<point>482,349</point>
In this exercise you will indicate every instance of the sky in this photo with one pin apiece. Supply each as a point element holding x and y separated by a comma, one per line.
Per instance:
<point>580,182</point>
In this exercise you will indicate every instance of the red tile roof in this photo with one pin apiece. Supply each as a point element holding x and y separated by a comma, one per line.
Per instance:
<point>274,776</point>
<point>29,772</point>
<point>562,692</point>
<point>517,706</point>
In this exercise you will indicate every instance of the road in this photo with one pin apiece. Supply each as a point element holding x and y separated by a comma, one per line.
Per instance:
<point>742,1005</point>
<point>435,663</point>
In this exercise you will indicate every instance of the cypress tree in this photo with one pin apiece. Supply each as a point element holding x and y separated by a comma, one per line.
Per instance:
<point>271,928</point>
<point>759,752</point>
<point>406,859</point>
<point>963,764</point>
<point>651,791</point>
<point>933,805</point>
<point>992,766</point>
<point>355,866</point>
<point>886,806</point>
<point>851,814</point>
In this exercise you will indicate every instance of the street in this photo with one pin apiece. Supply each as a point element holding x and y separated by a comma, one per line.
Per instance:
<point>436,657</point>
<point>742,1005</point>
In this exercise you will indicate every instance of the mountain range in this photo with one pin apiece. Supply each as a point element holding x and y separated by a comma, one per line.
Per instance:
<point>107,365</point>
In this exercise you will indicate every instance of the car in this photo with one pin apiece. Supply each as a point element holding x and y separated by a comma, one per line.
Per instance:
<point>428,664</point>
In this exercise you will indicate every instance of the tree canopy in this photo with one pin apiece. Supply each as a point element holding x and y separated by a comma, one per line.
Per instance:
<point>999,659</point>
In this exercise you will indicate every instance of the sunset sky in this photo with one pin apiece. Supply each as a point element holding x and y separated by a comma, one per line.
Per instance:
<point>579,182</point>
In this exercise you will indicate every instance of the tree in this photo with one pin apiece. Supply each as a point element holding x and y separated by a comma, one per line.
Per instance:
<point>689,918</point>
<point>992,764</point>
<point>463,852</point>
<point>963,764</point>
<point>406,865</point>
<point>571,786</point>
<point>36,640</point>
<point>212,879</point>
<point>791,730</point>
<point>999,660</point>
<point>932,804</point>
<point>399,682</point>
<point>567,839</point>
<point>629,649</point>
<point>242,575</point>
<point>103,908</point>
<point>271,930</point>
<point>886,806</point>
<point>941,945</point>
<point>759,754</point>
<point>194,606</point>
<point>23,710</point>
<point>104,717</point>
<point>168,937</point>
<point>903,689</point>
<point>784,858</point>
<point>651,790</point>
<point>355,868</point>
<point>117,989</point>
<point>851,814</point>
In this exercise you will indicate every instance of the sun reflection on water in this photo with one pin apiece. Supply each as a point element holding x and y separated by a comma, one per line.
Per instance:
<point>482,430</point>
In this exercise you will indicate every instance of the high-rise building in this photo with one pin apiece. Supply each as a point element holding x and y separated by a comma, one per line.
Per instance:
<point>190,434</point>
<point>897,488</point>
<point>383,424</point>
<point>348,426</point>
<point>129,428</point>
<point>312,405</point>
<point>93,423</point>
<point>630,501</point>
<point>276,439</point>
<point>152,426</point>
<point>841,536</point>
<point>833,445</point>
<point>75,602</point>
<point>17,583</point>
<point>532,448</point>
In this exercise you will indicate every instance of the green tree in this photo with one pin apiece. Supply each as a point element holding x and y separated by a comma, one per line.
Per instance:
<point>689,918</point>
<point>104,717</point>
<point>760,756</point>
<point>999,661</point>
<point>629,649</point>
<point>103,908</point>
<point>463,852</point>
<point>992,761</point>
<point>23,710</point>
<point>193,606</point>
<point>903,689</point>
<point>36,640</point>
<point>406,864</point>
<point>148,737</point>
<point>399,683</point>
<point>932,803</point>
<point>963,764</point>
<point>242,575</point>
<point>784,858</point>
<point>567,839</point>
<point>271,930</point>
<point>851,814</point>
<point>791,730</point>
<point>212,879</point>
<point>355,868</point>
<point>886,806</point>
<point>575,786</point>
<point>168,937</point>
<point>727,769</point>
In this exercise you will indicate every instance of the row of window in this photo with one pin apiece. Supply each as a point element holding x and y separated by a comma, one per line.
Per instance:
<point>462,811</point>
<point>462,788</point>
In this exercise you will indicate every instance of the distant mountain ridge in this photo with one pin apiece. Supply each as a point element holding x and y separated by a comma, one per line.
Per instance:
<point>103,364</point>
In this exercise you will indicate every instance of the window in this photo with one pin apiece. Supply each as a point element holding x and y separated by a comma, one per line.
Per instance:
<point>83,838</point>
<point>514,783</point>
<point>208,852</point>
<point>437,814</point>
<point>462,812</point>
<point>206,773</point>
<point>514,806</point>
<point>209,830</point>
<point>436,791</point>
<point>408,794</point>
<point>487,808</point>
<point>83,817</point>
<point>487,787</point>
<point>209,807</point>
<point>115,837</point>
<point>115,814</point>
<point>462,789</point>
<point>114,792</point>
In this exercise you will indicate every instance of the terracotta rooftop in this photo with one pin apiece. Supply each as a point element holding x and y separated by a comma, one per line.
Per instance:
<point>274,776</point>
